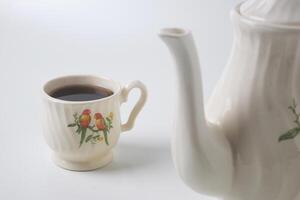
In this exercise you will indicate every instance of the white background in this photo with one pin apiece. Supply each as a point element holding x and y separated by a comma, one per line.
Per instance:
<point>40,40</point>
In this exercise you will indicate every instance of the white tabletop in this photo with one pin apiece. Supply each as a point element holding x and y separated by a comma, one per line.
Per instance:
<point>40,40</point>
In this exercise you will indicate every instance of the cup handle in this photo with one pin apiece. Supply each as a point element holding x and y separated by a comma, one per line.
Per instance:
<point>138,106</point>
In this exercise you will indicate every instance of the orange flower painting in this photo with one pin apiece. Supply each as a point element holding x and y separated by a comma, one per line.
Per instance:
<point>92,131</point>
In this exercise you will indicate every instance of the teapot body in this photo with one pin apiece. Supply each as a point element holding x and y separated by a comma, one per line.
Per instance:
<point>255,103</point>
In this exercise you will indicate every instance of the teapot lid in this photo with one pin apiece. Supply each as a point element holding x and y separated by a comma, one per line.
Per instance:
<point>273,11</point>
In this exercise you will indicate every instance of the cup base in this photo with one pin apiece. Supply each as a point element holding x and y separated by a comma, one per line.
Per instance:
<point>83,166</point>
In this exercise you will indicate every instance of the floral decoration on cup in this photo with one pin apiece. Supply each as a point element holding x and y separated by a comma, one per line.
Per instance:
<point>92,131</point>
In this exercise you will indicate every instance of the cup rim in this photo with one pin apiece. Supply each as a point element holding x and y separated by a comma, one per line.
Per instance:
<point>55,100</point>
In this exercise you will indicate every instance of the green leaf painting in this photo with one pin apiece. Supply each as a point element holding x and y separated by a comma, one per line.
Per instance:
<point>92,133</point>
<point>292,133</point>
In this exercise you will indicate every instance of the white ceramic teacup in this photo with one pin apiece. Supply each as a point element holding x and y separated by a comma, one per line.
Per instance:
<point>82,134</point>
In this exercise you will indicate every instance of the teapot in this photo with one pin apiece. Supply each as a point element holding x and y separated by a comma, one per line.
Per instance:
<point>243,144</point>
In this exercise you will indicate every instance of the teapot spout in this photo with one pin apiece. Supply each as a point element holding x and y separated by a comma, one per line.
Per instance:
<point>200,150</point>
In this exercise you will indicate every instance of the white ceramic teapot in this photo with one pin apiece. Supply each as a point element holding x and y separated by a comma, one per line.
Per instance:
<point>243,145</point>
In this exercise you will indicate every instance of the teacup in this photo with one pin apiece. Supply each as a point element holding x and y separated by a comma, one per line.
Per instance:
<point>86,145</point>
